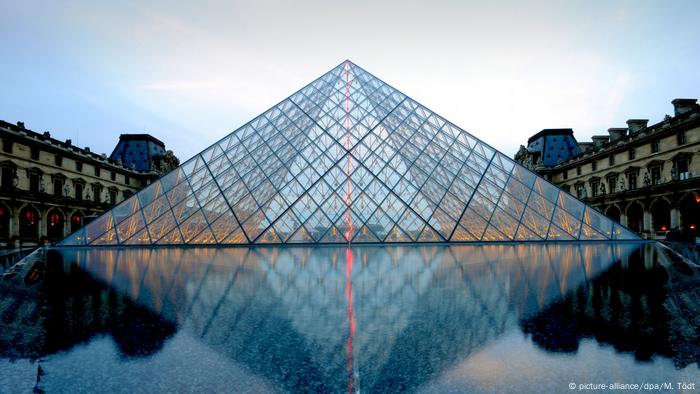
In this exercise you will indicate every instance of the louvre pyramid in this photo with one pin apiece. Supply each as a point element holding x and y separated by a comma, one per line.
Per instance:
<point>348,158</point>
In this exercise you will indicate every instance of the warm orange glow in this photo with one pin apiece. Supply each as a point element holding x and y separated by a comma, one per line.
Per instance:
<point>664,228</point>
<point>692,226</point>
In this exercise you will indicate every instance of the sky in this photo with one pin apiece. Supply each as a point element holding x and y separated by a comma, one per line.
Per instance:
<point>190,73</point>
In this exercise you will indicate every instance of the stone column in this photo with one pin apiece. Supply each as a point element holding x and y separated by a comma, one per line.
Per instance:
<point>623,219</point>
<point>675,217</point>
<point>43,223</point>
<point>14,226</point>
<point>66,225</point>
<point>647,221</point>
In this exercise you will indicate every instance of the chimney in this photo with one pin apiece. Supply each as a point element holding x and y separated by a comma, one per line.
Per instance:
<point>585,146</point>
<point>636,125</point>
<point>617,133</point>
<point>600,140</point>
<point>681,106</point>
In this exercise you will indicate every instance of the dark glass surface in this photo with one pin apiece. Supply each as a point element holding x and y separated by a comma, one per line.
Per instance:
<point>436,318</point>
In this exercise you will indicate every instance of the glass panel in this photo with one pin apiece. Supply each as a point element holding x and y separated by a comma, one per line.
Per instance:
<point>571,205</point>
<point>598,221</point>
<point>140,238</point>
<point>557,234</point>
<point>98,227</point>
<point>125,209</point>
<point>193,226</point>
<point>567,222</point>
<point>155,209</point>
<point>162,226</point>
<point>129,227</point>
<point>108,238</point>
<point>150,193</point>
<point>75,239</point>
<point>549,191</point>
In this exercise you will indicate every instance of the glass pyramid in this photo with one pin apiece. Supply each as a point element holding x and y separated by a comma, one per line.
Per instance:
<point>348,158</point>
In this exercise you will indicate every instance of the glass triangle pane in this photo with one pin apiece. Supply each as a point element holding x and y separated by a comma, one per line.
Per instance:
<point>492,234</point>
<point>162,226</point>
<point>204,238</point>
<point>589,234</point>
<point>108,238</point>
<point>154,210</point>
<point>473,223</point>
<point>172,238</point>
<point>140,238</point>
<point>429,235</point>
<point>223,226</point>
<point>236,237</point>
<point>621,233</point>
<point>364,234</point>
<point>301,236</point>
<point>334,235</point>
<point>525,234</point>
<point>99,226</point>
<point>598,221</point>
<point>269,237</point>
<point>150,193</point>
<point>557,234</point>
<point>75,239</point>
<point>130,226</point>
<point>396,235</point>
<point>193,226</point>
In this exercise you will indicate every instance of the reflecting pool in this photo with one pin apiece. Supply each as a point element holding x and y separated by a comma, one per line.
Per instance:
<point>482,318</point>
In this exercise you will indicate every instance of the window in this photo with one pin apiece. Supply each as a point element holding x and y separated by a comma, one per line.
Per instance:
<point>112,197</point>
<point>34,151</point>
<point>682,169</point>
<point>565,174</point>
<point>578,170</point>
<point>58,159</point>
<point>97,171</point>
<point>579,191</point>
<point>632,180</point>
<point>654,146</point>
<point>95,193</point>
<point>58,187</point>
<point>680,137</point>
<point>113,176</point>
<point>8,177</point>
<point>612,183</point>
<point>656,175</point>
<point>34,182</point>
<point>594,166</point>
<point>126,179</point>
<point>78,166</point>
<point>7,145</point>
<point>594,188</point>
<point>632,154</point>
<point>611,160</point>
<point>79,191</point>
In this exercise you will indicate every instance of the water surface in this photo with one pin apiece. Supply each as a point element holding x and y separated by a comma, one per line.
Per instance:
<point>504,318</point>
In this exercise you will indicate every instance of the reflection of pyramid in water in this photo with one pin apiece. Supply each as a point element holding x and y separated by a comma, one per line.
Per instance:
<point>348,159</point>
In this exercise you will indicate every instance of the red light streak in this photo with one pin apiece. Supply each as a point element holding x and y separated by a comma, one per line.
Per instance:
<point>350,318</point>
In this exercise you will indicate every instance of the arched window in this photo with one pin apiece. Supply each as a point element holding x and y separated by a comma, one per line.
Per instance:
<point>76,222</point>
<point>54,225</point>
<point>28,223</point>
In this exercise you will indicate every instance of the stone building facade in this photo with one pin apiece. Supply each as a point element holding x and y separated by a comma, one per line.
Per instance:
<point>645,177</point>
<point>50,188</point>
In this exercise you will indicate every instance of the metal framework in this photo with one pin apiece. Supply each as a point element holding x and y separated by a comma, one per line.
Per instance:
<point>348,159</point>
